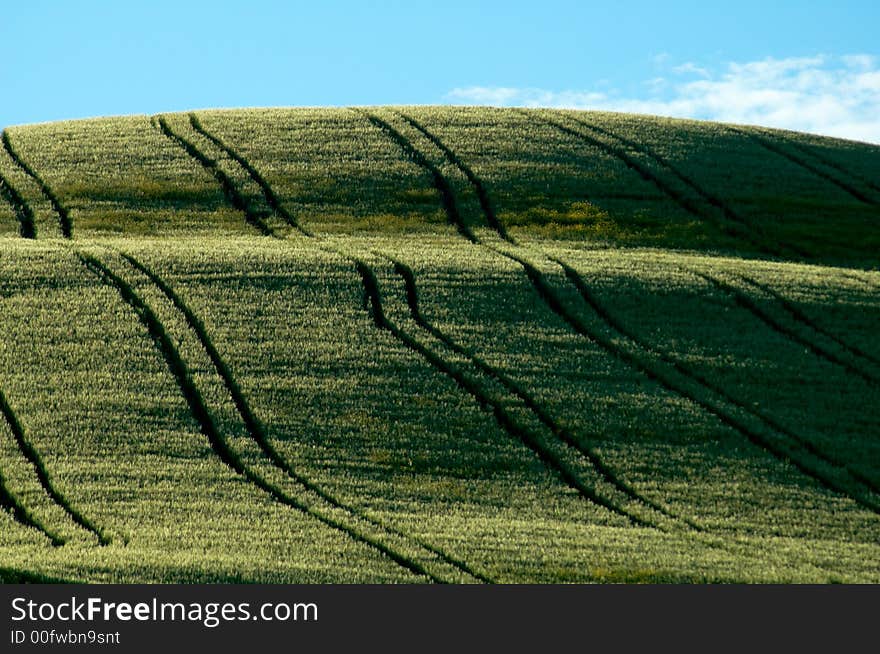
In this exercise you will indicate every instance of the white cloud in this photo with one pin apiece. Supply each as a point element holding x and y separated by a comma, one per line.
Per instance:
<point>837,96</point>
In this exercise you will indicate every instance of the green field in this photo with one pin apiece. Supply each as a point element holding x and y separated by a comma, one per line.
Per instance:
<point>406,345</point>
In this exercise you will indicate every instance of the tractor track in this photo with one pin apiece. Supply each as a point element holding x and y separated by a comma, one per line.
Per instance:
<point>810,152</point>
<point>527,438</point>
<point>21,515</point>
<point>267,190</point>
<point>752,307</point>
<point>199,410</point>
<point>804,319</point>
<point>767,144</point>
<point>23,212</point>
<point>226,184</point>
<point>758,238</point>
<point>735,227</point>
<point>550,298</point>
<point>406,273</point>
<point>33,457</point>
<point>64,220</point>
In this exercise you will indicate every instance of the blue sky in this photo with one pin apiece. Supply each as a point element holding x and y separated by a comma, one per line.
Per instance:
<point>805,65</point>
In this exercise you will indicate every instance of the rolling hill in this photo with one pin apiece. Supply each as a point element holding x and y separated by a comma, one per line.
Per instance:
<point>465,345</point>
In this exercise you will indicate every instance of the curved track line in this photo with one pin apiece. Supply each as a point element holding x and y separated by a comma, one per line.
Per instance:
<point>749,305</point>
<point>229,189</point>
<point>772,147</point>
<point>810,152</point>
<point>552,300</point>
<point>200,412</point>
<point>22,516</point>
<point>758,237</point>
<point>33,457</point>
<point>252,423</point>
<point>23,212</point>
<point>739,230</point>
<point>64,220</point>
<point>502,417</point>
<point>268,192</point>
<point>406,273</point>
<point>439,181</point>
<point>702,380</point>
<point>674,387</point>
<point>804,319</point>
<point>482,195</point>
<point>16,576</point>
<point>257,431</point>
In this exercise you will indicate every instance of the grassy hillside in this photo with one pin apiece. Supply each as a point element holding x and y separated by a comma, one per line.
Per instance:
<point>437,344</point>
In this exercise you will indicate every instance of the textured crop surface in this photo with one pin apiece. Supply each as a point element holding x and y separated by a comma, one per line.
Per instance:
<point>437,345</point>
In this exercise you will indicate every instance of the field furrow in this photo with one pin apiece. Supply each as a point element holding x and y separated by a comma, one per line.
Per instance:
<point>550,454</point>
<point>509,385</point>
<point>316,499</point>
<point>229,188</point>
<point>64,220</point>
<point>13,505</point>
<point>745,229</point>
<point>816,349</point>
<point>219,443</point>
<point>775,148</point>
<point>30,453</point>
<point>23,213</point>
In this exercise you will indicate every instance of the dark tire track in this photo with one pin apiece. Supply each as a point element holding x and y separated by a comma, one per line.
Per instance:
<point>64,219</point>
<point>811,152</point>
<point>406,273</point>
<point>33,457</point>
<point>16,576</point>
<point>21,515</point>
<point>532,442</point>
<point>804,319</point>
<point>202,415</point>
<point>739,229</point>
<point>482,195</point>
<point>440,182</point>
<point>23,212</point>
<point>758,239</point>
<point>268,192</point>
<point>548,295</point>
<point>752,307</point>
<point>255,427</point>
<point>229,189</point>
<point>767,144</point>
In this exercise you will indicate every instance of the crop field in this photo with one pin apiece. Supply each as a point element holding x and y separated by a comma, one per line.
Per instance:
<point>437,345</point>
